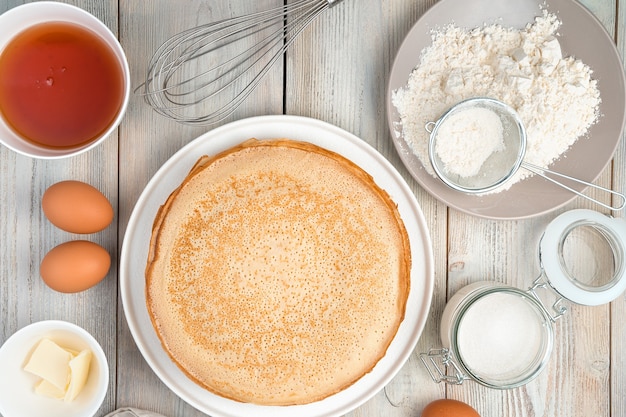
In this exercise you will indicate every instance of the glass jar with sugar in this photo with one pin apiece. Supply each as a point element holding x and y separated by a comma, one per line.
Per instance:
<point>502,337</point>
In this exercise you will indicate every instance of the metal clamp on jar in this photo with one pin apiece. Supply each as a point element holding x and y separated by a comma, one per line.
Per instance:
<point>501,336</point>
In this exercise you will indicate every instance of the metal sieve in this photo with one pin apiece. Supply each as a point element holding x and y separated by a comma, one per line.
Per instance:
<point>501,164</point>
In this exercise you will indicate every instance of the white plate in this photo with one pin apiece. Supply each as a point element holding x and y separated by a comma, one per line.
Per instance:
<point>582,36</point>
<point>171,174</point>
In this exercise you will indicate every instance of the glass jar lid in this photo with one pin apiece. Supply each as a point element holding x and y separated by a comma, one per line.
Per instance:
<point>595,275</point>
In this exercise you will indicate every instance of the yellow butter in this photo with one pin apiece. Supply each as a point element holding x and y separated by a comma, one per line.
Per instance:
<point>47,389</point>
<point>63,372</point>
<point>50,362</point>
<point>79,370</point>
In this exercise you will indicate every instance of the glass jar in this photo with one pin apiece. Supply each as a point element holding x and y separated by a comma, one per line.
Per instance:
<point>502,337</point>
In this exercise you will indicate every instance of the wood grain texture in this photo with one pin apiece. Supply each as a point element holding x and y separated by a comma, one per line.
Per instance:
<point>147,140</point>
<point>337,72</point>
<point>617,361</point>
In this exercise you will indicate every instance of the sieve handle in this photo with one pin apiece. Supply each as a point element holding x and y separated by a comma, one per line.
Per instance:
<point>542,173</point>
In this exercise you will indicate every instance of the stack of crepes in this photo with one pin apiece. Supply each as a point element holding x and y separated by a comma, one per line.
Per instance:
<point>278,273</point>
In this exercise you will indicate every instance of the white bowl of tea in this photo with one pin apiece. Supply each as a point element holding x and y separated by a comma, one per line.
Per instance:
<point>64,80</point>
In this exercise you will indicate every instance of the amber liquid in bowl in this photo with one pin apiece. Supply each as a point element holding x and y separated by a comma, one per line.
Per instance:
<point>61,85</point>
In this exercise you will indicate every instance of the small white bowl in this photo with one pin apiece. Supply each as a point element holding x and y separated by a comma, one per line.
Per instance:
<point>17,394</point>
<point>16,20</point>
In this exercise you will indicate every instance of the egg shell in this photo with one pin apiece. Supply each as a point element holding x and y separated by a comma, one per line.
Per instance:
<point>448,408</point>
<point>76,207</point>
<point>75,266</point>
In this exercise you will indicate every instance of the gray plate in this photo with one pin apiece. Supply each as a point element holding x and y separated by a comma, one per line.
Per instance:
<point>581,36</point>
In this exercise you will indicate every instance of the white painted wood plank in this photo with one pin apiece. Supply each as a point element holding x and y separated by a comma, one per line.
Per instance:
<point>338,73</point>
<point>147,140</point>
<point>576,381</point>
<point>618,307</point>
<point>27,235</point>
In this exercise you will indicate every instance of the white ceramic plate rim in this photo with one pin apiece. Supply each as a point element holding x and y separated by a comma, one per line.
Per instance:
<point>170,175</point>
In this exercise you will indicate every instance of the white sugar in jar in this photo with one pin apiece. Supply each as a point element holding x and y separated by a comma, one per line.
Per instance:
<point>501,336</point>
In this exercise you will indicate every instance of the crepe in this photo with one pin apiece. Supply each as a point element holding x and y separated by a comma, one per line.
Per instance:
<point>278,273</point>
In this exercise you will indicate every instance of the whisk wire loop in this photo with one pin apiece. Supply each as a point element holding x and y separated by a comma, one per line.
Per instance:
<point>241,96</point>
<point>201,75</point>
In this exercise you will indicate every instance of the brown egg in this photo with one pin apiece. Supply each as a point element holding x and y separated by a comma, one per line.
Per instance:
<point>75,266</point>
<point>449,408</point>
<point>76,207</point>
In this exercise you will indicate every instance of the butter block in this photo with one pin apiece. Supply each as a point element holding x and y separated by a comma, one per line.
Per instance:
<point>47,389</point>
<point>50,362</point>
<point>63,372</point>
<point>79,370</point>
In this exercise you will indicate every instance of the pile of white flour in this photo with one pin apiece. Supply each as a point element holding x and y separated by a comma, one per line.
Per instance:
<point>555,96</point>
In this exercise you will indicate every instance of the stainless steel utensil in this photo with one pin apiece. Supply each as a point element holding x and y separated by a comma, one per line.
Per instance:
<point>200,76</point>
<point>502,165</point>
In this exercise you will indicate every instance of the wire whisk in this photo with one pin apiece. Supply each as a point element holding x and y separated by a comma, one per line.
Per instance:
<point>202,75</point>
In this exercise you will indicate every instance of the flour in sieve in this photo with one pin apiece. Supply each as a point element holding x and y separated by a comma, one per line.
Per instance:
<point>466,139</point>
<point>555,96</point>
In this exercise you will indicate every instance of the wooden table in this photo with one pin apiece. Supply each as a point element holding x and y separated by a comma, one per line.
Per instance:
<point>336,72</point>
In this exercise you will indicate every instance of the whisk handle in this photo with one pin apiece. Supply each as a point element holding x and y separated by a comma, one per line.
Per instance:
<point>331,2</point>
